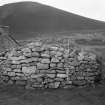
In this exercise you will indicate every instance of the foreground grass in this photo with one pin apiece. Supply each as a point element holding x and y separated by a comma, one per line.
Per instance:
<point>13,95</point>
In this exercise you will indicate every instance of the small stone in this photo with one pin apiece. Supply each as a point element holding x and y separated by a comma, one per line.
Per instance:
<point>37,49</point>
<point>13,78</point>
<point>35,54</point>
<point>58,54</point>
<point>53,53</point>
<point>45,55</point>
<point>74,63</point>
<point>24,61</point>
<point>35,59</point>
<point>52,65</point>
<point>29,70</point>
<point>54,48</point>
<point>11,73</point>
<point>27,54</point>
<point>61,75</point>
<point>48,80</point>
<point>32,64</point>
<point>20,74</point>
<point>8,69</point>
<point>28,60</point>
<point>17,70</point>
<point>59,79</point>
<point>69,82</point>
<point>18,66</point>
<point>80,57</point>
<point>37,43</point>
<point>17,58</point>
<point>92,56</point>
<point>25,64</point>
<point>42,66</point>
<point>57,84</point>
<point>54,60</point>
<point>60,65</point>
<point>5,73</point>
<point>54,85</point>
<point>20,77</point>
<point>45,61</point>
<point>50,71</point>
<point>39,80</point>
<point>61,71</point>
<point>51,75</point>
<point>42,71</point>
<point>3,58</point>
<point>26,50</point>
<point>36,75</point>
<point>80,77</point>
<point>62,60</point>
<point>15,62</point>
<point>13,52</point>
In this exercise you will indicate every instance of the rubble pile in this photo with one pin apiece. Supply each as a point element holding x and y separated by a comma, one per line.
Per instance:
<point>47,66</point>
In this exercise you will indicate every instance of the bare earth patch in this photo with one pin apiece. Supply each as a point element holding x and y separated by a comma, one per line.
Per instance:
<point>13,95</point>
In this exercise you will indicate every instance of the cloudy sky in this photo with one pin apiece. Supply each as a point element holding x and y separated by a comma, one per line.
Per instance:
<point>89,8</point>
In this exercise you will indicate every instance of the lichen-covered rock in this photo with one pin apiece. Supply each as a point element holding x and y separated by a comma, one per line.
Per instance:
<point>26,50</point>
<point>11,73</point>
<point>51,75</point>
<point>54,85</point>
<point>58,54</point>
<point>36,75</point>
<point>45,55</point>
<point>52,65</point>
<point>17,70</point>
<point>35,54</point>
<point>54,60</point>
<point>45,60</point>
<point>60,65</point>
<point>29,70</point>
<point>18,66</point>
<point>27,54</point>
<point>61,75</point>
<point>42,66</point>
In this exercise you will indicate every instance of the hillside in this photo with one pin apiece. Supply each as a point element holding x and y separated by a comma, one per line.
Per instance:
<point>26,17</point>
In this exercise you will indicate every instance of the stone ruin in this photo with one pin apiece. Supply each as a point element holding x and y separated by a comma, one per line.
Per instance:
<point>47,66</point>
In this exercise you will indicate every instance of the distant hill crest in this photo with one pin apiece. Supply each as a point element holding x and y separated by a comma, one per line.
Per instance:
<point>26,17</point>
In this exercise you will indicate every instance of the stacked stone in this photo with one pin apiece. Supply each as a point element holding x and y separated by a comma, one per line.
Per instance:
<point>47,66</point>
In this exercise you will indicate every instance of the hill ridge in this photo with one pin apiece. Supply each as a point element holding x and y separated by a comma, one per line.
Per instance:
<point>39,18</point>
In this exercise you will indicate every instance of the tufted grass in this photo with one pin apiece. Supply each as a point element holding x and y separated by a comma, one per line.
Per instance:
<point>14,95</point>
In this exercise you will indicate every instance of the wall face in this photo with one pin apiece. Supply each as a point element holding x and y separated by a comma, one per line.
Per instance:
<point>40,66</point>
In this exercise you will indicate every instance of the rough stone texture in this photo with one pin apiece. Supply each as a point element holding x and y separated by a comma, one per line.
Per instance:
<point>29,70</point>
<point>38,66</point>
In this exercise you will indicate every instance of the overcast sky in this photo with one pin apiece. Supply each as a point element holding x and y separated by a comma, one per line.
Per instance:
<point>89,8</point>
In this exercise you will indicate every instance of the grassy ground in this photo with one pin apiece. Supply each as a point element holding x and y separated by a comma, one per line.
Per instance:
<point>12,95</point>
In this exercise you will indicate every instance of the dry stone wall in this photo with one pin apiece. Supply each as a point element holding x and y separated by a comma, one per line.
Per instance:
<point>47,66</point>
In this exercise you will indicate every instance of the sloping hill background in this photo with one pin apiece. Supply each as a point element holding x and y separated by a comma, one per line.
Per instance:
<point>26,17</point>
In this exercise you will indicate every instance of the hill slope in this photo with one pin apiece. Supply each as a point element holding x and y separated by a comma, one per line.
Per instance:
<point>34,17</point>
